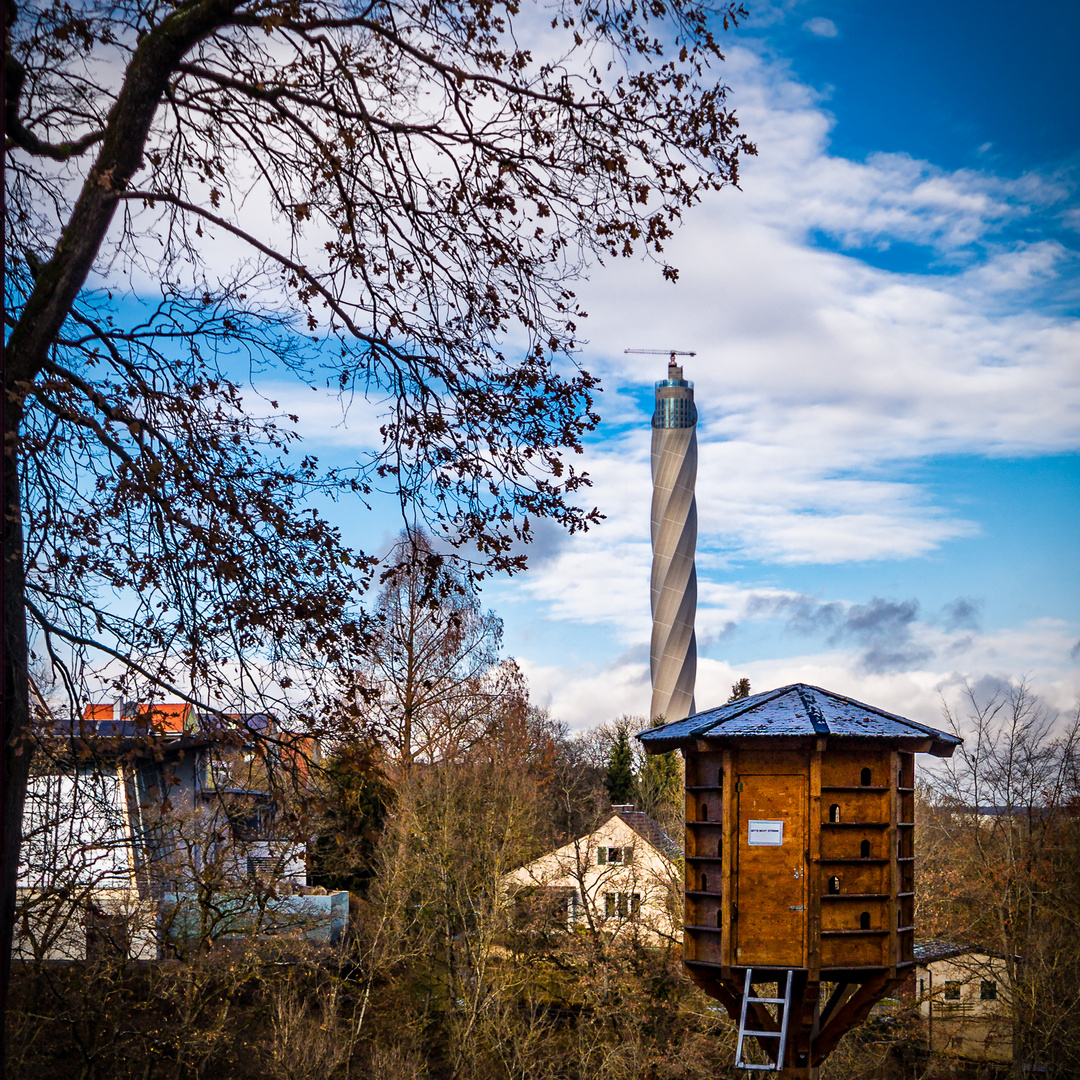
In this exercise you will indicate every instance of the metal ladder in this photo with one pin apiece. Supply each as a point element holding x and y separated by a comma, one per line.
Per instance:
<point>785,1005</point>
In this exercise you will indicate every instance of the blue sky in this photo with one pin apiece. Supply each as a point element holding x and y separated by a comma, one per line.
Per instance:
<point>887,374</point>
<point>887,325</point>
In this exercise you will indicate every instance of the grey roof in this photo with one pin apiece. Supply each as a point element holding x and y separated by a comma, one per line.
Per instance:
<point>649,830</point>
<point>944,949</point>
<point>938,949</point>
<point>798,710</point>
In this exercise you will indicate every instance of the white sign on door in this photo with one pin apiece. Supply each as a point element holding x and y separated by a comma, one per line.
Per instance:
<point>765,833</point>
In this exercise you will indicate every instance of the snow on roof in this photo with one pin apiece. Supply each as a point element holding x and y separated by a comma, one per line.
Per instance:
<point>797,710</point>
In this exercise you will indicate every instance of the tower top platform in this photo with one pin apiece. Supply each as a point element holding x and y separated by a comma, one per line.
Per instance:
<point>799,711</point>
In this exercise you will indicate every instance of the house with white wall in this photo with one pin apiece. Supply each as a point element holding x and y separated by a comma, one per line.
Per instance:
<point>624,878</point>
<point>142,809</point>
<point>962,996</point>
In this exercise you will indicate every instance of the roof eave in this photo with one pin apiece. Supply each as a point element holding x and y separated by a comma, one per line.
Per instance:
<point>705,741</point>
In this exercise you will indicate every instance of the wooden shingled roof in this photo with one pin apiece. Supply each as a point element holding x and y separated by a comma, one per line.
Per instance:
<point>799,711</point>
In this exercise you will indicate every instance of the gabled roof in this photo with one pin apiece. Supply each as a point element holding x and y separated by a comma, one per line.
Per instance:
<point>938,949</point>
<point>638,822</point>
<point>166,719</point>
<point>650,831</point>
<point>802,711</point>
<point>160,718</point>
<point>926,952</point>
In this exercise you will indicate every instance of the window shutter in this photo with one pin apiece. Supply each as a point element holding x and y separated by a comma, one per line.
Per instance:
<point>628,854</point>
<point>601,856</point>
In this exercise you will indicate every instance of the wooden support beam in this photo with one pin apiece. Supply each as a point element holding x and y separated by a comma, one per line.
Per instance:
<point>806,992</point>
<point>840,992</point>
<point>853,1011</point>
<point>729,837</point>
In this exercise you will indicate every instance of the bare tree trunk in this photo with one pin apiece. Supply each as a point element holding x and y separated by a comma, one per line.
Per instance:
<point>56,287</point>
<point>14,680</point>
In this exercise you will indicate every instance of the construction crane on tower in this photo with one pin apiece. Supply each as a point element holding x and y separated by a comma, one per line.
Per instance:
<point>673,648</point>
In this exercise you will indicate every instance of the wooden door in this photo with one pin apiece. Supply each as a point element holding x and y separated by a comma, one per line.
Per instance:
<point>770,882</point>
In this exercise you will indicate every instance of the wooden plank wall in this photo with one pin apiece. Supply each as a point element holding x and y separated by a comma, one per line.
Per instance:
<point>859,852</point>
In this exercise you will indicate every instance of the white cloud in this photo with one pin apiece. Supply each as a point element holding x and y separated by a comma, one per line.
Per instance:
<point>821,27</point>
<point>819,379</point>
<point>583,696</point>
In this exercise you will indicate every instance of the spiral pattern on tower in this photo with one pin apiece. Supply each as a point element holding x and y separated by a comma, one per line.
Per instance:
<point>673,652</point>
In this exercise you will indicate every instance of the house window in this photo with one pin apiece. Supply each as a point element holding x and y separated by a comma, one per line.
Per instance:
<point>987,990</point>
<point>607,855</point>
<point>952,990</point>
<point>864,920</point>
<point>864,849</point>
<point>621,905</point>
<point>573,909</point>
<point>867,778</point>
<point>258,865</point>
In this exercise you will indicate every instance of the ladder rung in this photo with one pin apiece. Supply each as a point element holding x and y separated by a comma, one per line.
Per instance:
<point>764,1068</point>
<point>768,1001</point>
<point>767,1034</point>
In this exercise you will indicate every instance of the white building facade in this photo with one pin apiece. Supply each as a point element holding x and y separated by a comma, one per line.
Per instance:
<point>623,879</point>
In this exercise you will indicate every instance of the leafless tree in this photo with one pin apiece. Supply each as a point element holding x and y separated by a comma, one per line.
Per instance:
<point>1003,826</point>
<point>434,681</point>
<point>391,197</point>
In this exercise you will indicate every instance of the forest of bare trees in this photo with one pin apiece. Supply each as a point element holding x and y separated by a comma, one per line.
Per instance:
<point>999,861</point>
<point>205,960</point>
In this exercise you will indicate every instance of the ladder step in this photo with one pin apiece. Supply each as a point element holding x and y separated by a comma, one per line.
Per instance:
<point>768,1001</point>
<point>764,1034</point>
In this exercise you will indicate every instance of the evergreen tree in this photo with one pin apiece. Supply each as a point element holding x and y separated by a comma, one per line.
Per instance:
<point>660,785</point>
<point>356,797</point>
<point>620,769</point>
<point>740,690</point>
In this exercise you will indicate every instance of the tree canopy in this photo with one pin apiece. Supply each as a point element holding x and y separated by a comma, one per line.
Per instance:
<point>390,199</point>
<point>432,683</point>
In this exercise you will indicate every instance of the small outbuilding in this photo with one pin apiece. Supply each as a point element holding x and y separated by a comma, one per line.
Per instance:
<point>799,871</point>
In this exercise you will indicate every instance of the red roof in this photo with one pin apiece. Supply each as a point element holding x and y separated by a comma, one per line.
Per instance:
<point>166,717</point>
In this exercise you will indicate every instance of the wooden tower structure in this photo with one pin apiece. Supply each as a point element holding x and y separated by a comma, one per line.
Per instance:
<point>800,808</point>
